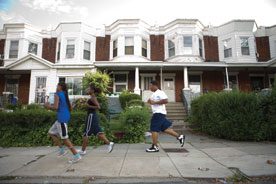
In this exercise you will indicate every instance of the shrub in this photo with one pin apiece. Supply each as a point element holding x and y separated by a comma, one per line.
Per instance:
<point>80,104</point>
<point>99,79</point>
<point>135,121</point>
<point>126,96</point>
<point>34,106</point>
<point>10,106</point>
<point>230,115</point>
<point>30,128</point>
<point>136,103</point>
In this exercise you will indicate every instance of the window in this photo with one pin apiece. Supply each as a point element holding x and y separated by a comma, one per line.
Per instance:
<point>86,50</point>
<point>171,47</point>
<point>12,86</point>
<point>257,83</point>
<point>188,41</point>
<point>146,82</point>
<point>74,85</point>
<point>129,46</point>
<point>271,82</point>
<point>233,82</point>
<point>245,46</point>
<point>227,48</point>
<point>70,49</point>
<point>115,48</point>
<point>200,47</point>
<point>120,82</point>
<point>58,52</point>
<point>40,90</point>
<point>13,49</point>
<point>32,48</point>
<point>195,83</point>
<point>144,48</point>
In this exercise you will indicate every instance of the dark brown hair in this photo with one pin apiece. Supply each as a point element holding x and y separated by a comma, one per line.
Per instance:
<point>155,83</point>
<point>65,90</point>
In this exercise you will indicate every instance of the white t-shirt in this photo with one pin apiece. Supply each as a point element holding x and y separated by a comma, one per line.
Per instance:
<point>157,96</point>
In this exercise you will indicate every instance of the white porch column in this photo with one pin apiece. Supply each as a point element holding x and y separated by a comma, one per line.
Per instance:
<point>227,80</point>
<point>161,78</point>
<point>186,82</point>
<point>137,88</point>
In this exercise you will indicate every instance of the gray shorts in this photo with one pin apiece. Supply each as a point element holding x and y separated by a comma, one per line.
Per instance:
<point>59,129</point>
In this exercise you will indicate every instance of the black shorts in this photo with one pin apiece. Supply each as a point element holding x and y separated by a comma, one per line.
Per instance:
<point>92,125</point>
<point>159,122</point>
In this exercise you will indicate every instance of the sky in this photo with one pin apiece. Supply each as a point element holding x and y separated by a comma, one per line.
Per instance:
<point>46,14</point>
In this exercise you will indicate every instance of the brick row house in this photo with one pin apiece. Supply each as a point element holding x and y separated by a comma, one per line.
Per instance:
<point>183,55</point>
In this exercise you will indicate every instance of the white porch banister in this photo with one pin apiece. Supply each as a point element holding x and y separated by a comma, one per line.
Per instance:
<point>137,89</point>
<point>186,81</point>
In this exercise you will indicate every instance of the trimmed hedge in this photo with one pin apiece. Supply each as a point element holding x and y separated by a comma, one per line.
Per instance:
<point>136,122</point>
<point>30,128</point>
<point>126,96</point>
<point>235,115</point>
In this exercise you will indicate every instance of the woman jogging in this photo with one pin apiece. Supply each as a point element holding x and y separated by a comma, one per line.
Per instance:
<point>59,128</point>
<point>92,122</point>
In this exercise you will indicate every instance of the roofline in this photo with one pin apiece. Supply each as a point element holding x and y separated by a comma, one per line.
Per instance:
<point>174,22</point>
<point>237,20</point>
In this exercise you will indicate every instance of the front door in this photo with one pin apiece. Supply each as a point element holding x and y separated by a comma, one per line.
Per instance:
<point>169,87</point>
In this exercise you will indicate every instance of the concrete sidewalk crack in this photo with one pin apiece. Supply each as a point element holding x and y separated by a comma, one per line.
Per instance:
<point>124,160</point>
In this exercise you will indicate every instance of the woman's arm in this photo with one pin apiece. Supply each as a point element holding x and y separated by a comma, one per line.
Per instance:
<point>55,105</point>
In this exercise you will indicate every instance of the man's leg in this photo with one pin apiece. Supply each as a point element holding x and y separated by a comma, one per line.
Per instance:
<point>103,138</point>
<point>171,132</point>
<point>154,136</point>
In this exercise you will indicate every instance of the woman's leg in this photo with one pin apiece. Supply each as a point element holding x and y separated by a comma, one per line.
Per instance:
<point>70,146</point>
<point>103,138</point>
<point>85,141</point>
<point>56,140</point>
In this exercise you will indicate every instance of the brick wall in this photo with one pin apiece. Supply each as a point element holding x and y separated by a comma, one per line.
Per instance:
<point>212,81</point>
<point>244,81</point>
<point>49,49</point>
<point>131,81</point>
<point>157,47</point>
<point>263,48</point>
<point>211,48</point>
<point>2,47</point>
<point>103,48</point>
<point>23,89</point>
<point>2,84</point>
<point>179,85</point>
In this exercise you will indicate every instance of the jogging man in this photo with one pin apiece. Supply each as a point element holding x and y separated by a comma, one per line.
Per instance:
<point>159,122</point>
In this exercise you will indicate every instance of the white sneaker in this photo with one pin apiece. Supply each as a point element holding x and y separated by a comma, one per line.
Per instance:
<point>110,147</point>
<point>81,152</point>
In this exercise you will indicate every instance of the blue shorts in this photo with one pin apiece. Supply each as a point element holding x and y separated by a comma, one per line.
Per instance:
<point>159,122</point>
<point>92,125</point>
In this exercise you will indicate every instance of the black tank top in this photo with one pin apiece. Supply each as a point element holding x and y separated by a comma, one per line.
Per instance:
<point>89,109</point>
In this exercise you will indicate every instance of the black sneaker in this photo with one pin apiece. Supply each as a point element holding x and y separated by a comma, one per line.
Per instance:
<point>152,149</point>
<point>181,139</point>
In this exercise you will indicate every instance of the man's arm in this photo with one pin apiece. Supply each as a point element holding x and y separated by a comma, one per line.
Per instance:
<point>160,102</point>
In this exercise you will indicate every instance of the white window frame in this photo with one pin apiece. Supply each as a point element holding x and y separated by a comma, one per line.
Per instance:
<point>119,83</point>
<point>58,50</point>
<point>169,48</point>
<point>74,53</point>
<point>87,50</point>
<point>187,36</point>
<point>66,79</point>
<point>200,40</point>
<point>241,38</point>
<point>228,47</point>
<point>31,42</point>
<point>144,40</point>
<point>113,48</point>
<point>129,37</point>
<point>143,75</point>
<point>196,73</point>
<point>14,50</point>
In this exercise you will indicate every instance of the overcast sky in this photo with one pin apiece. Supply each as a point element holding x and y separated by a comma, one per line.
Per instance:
<point>48,13</point>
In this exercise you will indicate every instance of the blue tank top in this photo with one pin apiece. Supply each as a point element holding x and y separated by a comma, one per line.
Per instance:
<point>63,112</point>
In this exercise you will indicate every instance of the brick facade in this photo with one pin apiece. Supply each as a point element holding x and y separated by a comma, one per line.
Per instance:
<point>212,81</point>
<point>179,85</point>
<point>49,49</point>
<point>2,48</point>
<point>2,84</point>
<point>24,88</point>
<point>131,81</point>
<point>263,48</point>
<point>211,48</point>
<point>157,52</point>
<point>244,81</point>
<point>102,48</point>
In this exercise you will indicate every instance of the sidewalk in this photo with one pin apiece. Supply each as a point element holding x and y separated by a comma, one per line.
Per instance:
<point>212,156</point>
